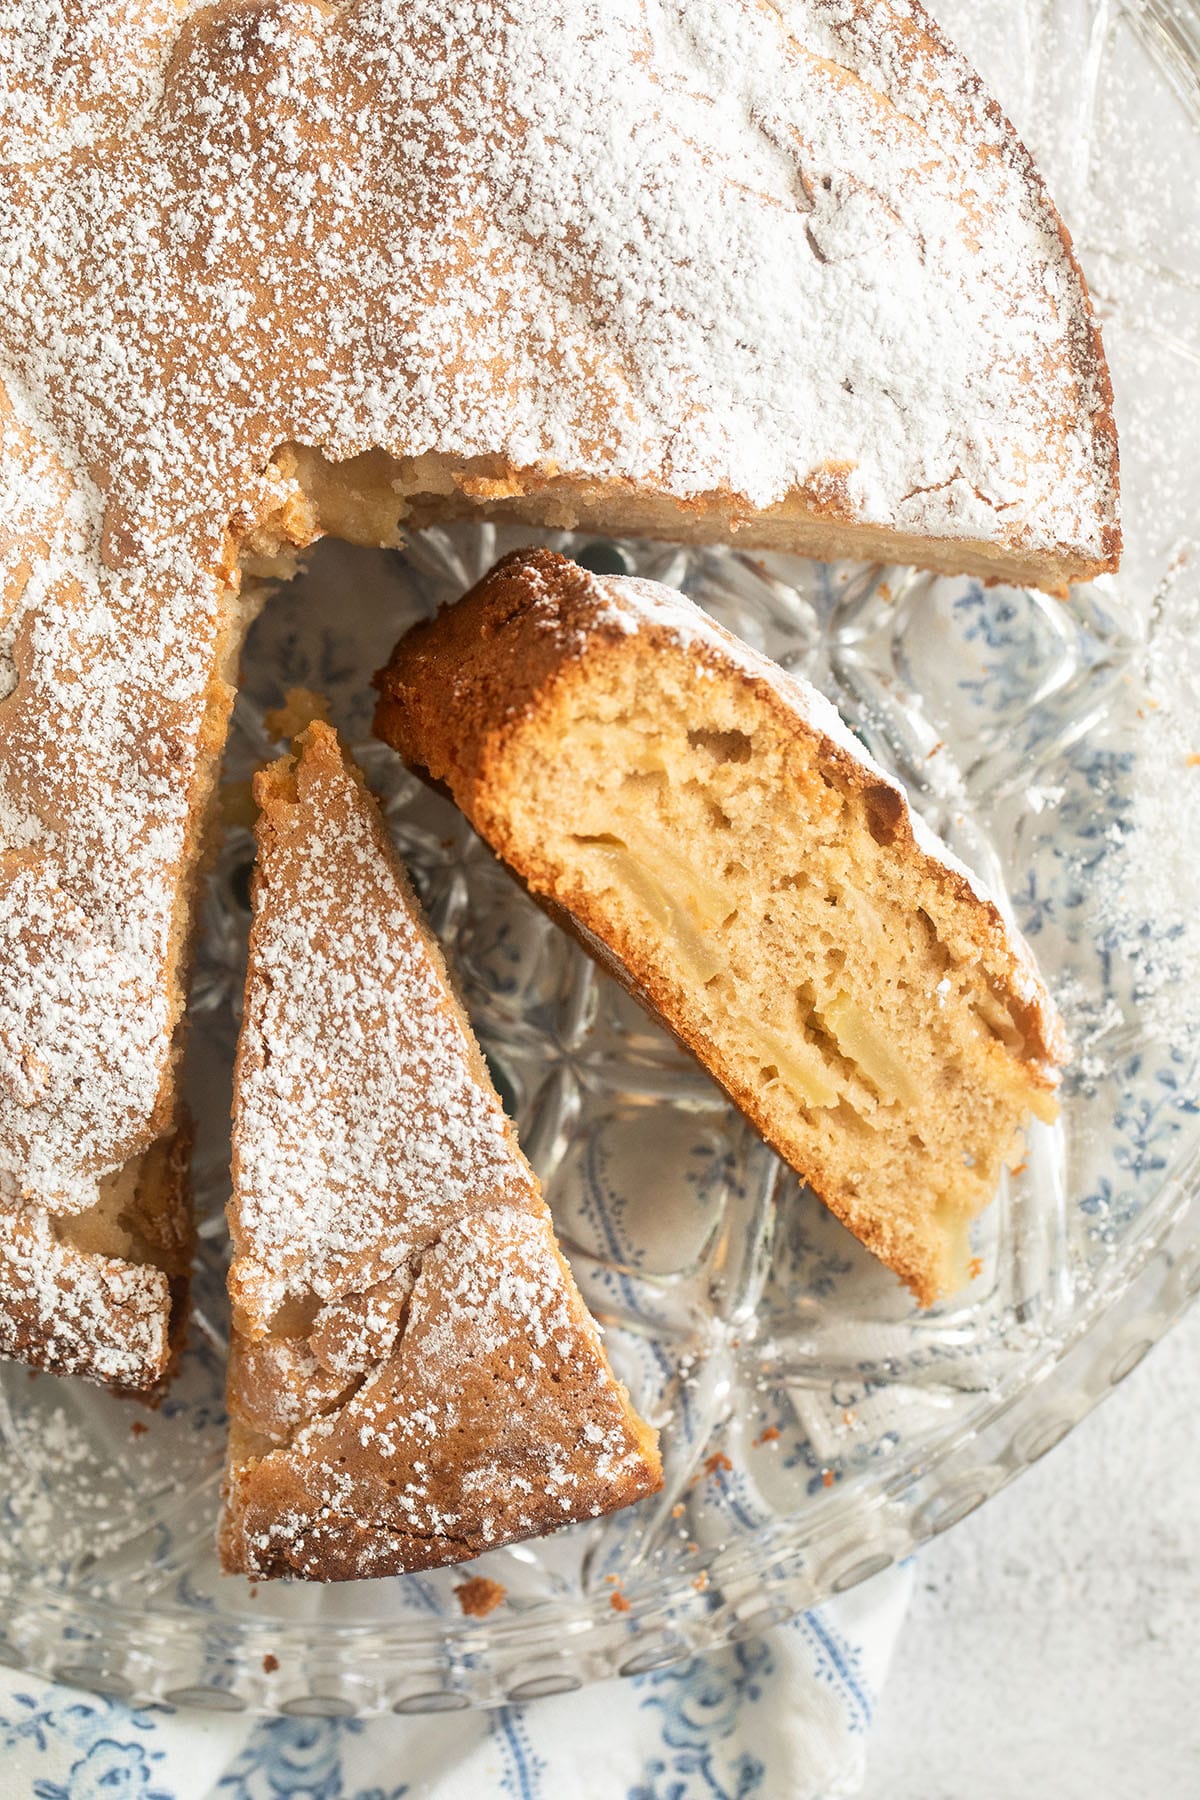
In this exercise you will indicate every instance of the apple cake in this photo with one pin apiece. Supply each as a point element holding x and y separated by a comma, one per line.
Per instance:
<point>713,831</point>
<point>274,268</point>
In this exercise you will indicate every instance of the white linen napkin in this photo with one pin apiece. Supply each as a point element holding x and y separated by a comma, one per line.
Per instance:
<point>782,1717</point>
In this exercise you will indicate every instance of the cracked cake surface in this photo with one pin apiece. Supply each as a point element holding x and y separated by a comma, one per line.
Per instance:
<point>414,1377</point>
<point>279,267</point>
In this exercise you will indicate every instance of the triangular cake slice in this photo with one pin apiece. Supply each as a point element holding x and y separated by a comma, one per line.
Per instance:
<point>716,834</point>
<point>414,1377</point>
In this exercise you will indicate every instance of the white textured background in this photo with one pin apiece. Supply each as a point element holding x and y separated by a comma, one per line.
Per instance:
<point>1053,1647</point>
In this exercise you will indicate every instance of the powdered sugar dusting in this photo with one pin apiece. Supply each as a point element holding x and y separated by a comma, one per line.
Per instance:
<point>364,1122</point>
<point>77,1313</point>
<point>58,1495</point>
<point>68,1001</point>
<point>495,1418</point>
<point>520,234</point>
<point>76,70</point>
<point>378,1186</point>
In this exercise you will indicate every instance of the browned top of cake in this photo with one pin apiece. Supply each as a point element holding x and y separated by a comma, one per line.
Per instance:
<point>80,1314</point>
<point>103,1293</point>
<point>681,269</point>
<point>493,1416</point>
<point>524,252</point>
<point>365,1122</point>
<point>414,1376</point>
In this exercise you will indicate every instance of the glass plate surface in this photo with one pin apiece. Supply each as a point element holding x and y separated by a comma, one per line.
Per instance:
<point>815,1426</point>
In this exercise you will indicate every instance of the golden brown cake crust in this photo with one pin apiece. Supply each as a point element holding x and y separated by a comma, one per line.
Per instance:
<point>274,269</point>
<point>457,684</point>
<point>355,1135</point>
<point>494,1418</point>
<point>414,1377</point>
<point>460,689</point>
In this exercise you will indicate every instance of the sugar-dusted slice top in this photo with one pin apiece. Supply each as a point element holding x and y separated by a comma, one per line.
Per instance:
<point>494,1418</point>
<point>414,1376</point>
<point>365,1122</point>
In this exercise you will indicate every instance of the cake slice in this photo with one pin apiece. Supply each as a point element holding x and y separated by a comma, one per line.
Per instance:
<point>723,843</point>
<point>414,1377</point>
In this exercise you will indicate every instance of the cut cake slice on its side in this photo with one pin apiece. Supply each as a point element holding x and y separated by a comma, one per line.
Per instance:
<point>716,835</point>
<point>414,1377</point>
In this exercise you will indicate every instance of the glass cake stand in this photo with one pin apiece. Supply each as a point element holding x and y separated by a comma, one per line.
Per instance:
<point>815,1426</point>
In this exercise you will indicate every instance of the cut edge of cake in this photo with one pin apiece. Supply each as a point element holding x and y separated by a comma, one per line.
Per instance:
<point>523,700</point>
<point>104,1294</point>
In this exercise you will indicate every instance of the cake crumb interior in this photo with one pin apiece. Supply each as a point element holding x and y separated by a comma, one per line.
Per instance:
<point>708,844</point>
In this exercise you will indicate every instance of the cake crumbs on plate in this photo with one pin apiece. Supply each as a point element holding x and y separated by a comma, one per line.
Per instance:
<point>479,1596</point>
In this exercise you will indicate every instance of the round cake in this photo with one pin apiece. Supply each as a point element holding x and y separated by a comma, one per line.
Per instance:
<point>279,267</point>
